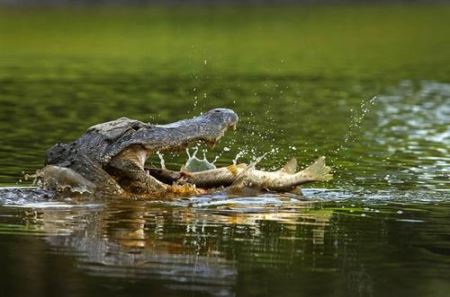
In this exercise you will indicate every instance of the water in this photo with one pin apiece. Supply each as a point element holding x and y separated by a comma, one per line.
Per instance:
<point>373,96</point>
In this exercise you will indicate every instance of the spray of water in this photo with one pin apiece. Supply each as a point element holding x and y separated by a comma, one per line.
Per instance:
<point>161,159</point>
<point>356,121</point>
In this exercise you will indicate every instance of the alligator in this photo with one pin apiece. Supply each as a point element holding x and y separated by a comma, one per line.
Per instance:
<point>109,158</point>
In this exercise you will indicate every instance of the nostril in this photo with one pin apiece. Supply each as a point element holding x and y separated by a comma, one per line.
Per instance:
<point>217,110</point>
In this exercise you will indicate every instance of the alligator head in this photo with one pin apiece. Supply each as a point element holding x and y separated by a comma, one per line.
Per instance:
<point>120,148</point>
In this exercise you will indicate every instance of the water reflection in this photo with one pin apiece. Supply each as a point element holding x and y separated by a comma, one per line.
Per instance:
<point>414,126</point>
<point>182,247</point>
<point>125,240</point>
<point>215,245</point>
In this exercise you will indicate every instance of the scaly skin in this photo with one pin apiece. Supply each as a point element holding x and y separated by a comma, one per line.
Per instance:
<point>112,155</point>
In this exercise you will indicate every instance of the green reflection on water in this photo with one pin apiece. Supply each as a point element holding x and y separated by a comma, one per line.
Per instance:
<point>297,77</point>
<point>300,79</point>
<point>293,249</point>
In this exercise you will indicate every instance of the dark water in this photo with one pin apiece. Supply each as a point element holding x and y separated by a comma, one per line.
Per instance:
<point>367,87</point>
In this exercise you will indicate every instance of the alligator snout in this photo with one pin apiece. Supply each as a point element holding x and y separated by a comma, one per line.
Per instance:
<point>224,115</point>
<point>216,122</point>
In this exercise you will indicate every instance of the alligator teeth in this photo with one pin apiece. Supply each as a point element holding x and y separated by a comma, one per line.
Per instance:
<point>212,144</point>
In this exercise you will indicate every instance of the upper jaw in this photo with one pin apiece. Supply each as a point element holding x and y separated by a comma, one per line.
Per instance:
<point>209,141</point>
<point>213,141</point>
<point>208,128</point>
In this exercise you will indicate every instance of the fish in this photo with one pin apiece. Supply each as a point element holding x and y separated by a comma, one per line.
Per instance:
<point>236,177</point>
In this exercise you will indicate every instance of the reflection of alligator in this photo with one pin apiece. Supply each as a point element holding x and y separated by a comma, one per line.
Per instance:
<point>120,247</point>
<point>110,157</point>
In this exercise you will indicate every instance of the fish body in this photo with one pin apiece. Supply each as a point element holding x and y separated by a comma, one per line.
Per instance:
<point>244,176</point>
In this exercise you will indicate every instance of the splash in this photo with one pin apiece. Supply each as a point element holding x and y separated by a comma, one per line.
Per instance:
<point>61,179</point>
<point>238,155</point>
<point>194,164</point>
<point>357,120</point>
<point>161,159</point>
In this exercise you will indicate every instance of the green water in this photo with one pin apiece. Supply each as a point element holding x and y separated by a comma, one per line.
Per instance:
<point>368,87</point>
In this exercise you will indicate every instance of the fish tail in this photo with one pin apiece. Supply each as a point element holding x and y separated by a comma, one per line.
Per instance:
<point>317,171</point>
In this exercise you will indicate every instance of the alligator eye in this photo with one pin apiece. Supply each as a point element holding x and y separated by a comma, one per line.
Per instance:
<point>135,127</point>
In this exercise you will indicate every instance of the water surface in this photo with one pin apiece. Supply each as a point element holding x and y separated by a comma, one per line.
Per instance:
<point>368,87</point>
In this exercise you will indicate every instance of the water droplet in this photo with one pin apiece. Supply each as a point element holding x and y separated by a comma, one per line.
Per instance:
<point>161,158</point>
